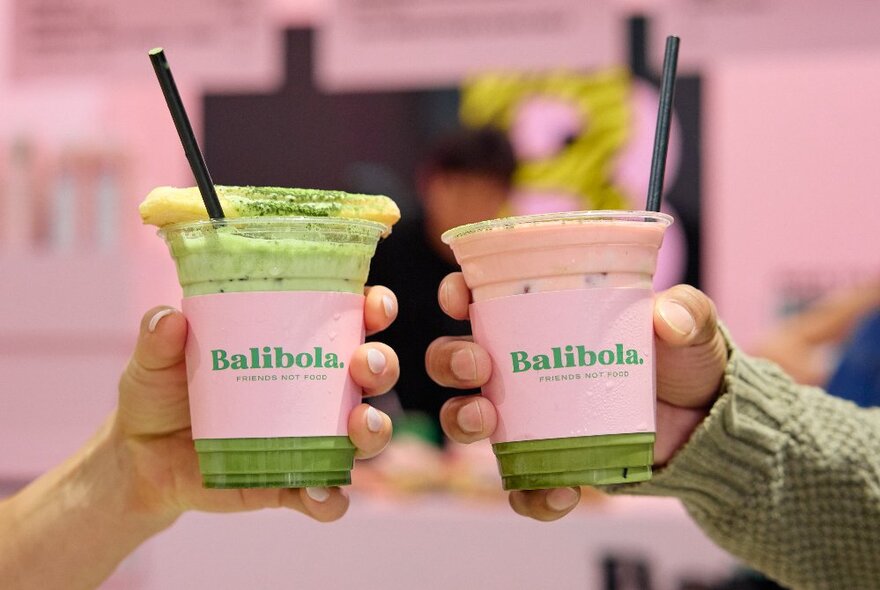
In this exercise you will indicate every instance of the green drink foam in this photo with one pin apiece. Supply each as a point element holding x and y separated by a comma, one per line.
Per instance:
<point>265,255</point>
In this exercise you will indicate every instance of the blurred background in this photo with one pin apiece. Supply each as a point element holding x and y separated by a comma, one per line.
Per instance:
<point>459,111</point>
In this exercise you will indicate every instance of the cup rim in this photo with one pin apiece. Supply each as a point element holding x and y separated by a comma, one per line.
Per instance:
<point>548,218</point>
<point>293,220</point>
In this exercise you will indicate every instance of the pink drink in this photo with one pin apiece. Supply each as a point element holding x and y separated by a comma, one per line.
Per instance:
<point>563,303</point>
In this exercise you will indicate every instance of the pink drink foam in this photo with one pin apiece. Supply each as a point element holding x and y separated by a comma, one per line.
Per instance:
<point>530,258</point>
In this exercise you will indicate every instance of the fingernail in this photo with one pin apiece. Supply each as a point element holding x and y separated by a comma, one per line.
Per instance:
<point>443,297</point>
<point>318,494</point>
<point>470,418</point>
<point>464,364</point>
<point>677,316</point>
<point>374,420</point>
<point>561,499</point>
<point>376,361</point>
<point>154,321</point>
<point>388,304</point>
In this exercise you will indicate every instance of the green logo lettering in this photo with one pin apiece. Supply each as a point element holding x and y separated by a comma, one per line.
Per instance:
<point>520,361</point>
<point>560,357</point>
<point>283,360</point>
<point>218,360</point>
<point>267,357</point>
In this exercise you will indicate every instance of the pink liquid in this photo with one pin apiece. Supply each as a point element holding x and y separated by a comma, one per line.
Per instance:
<point>570,253</point>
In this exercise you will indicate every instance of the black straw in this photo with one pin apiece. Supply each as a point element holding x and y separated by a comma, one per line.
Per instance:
<point>664,118</point>
<point>184,130</point>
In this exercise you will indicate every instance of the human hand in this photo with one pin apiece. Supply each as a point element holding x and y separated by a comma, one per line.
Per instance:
<point>152,437</point>
<point>691,356</point>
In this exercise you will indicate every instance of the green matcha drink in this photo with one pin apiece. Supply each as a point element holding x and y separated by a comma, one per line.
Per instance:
<point>275,310</point>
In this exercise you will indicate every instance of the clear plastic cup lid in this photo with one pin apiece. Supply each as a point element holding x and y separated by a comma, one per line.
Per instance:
<point>269,221</point>
<point>324,229</point>
<point>569,217</point>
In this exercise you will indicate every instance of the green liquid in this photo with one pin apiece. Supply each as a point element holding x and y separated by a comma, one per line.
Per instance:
<point>583,460</point>
<point>291,462</point>
<point>273,255</point>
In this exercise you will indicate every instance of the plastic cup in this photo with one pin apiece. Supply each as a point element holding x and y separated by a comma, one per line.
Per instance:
<point>275,310</point>
<point>563,304</point>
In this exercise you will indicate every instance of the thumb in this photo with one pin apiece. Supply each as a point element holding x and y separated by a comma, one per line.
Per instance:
<point>691,351</point>
<point>161,339</point>
<point>152,390</point>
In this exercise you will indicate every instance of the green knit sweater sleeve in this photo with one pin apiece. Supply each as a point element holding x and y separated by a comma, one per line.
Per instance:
<point>785,477</point>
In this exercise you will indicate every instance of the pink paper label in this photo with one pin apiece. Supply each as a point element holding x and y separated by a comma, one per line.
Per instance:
<point>272,364</point>
<point>569,363</point>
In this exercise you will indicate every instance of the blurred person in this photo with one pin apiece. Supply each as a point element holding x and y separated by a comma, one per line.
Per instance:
<point>834,343</point>
<point>465,177</point>
<point>784,476</point>
<point>857,376</point>
<point>72,526</point>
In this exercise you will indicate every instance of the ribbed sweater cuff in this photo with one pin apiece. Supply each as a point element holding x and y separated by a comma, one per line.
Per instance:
<point>735,447</point>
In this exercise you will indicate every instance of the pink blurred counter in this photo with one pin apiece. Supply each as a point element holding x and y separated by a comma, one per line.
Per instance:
<point>425,543</point>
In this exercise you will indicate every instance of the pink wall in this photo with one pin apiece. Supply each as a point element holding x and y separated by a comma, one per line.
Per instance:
<point>68,316</point>
<point>792,185</point>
